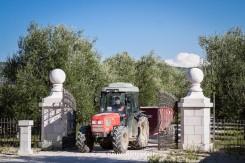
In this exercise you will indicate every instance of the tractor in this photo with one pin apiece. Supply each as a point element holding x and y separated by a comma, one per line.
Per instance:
<point>119,124</point>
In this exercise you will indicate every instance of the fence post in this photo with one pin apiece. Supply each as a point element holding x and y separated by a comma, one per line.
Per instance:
<point>25,137</point>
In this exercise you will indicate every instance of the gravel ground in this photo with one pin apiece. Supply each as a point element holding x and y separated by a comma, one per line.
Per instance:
<point>98,155</point>
<point>108,156</point>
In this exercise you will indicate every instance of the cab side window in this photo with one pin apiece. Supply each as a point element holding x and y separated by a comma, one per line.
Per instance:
<point>136,103</point>
<point>131,103</point>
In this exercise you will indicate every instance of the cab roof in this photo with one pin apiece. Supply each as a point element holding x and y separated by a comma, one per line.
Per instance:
<point>120,87</point>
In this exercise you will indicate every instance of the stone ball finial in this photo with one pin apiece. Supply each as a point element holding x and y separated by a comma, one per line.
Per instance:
<point>195,75</point>
<point>57,76</point>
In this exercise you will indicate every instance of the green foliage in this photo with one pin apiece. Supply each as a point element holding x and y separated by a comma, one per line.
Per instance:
<point>2,65</point>
<point>154,75</point>
<point>45,48</point>
<point>173,80</point>
<point>148,80</point>
<point>149,73</point>
<point>226,73</point>
<point>120,68</point>
<point>41,50</point>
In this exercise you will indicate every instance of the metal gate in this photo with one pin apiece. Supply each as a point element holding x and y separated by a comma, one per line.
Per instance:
<point>170,138</point>
<point>169,128</point>
<point>69,101</point>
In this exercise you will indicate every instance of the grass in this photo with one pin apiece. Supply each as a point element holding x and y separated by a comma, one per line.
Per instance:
<point>154,158</point>
<point>8,150</point>
<point>229,139</point>
<point>182,156</point>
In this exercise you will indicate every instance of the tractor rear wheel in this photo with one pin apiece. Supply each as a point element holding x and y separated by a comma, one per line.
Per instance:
<point>143,134</point>
<point>85,141</point>
<point>120,139</point>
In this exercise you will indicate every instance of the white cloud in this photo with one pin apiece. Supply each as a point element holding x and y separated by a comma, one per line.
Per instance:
<point>185,59</point>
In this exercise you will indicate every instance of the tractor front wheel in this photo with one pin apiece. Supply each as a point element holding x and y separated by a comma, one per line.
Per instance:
<point>120,139</point>
<point>85,141</point>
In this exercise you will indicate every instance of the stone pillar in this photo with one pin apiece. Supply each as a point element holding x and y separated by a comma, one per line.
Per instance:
<point>195,115</point>
<point>25,137</point>
<point>54,123</point>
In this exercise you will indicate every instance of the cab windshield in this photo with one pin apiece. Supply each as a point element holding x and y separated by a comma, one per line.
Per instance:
<point>109,101</point>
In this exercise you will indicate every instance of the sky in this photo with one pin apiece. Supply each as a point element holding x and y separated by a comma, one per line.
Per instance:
<point>170,28</point>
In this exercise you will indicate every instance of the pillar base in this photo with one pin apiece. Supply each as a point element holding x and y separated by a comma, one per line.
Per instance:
<point>25,153</point>
<point>25,137</point>
<point>51,145</point>
<point>198,147</point>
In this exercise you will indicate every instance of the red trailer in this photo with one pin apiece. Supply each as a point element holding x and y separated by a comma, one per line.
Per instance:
<point>161,117</point>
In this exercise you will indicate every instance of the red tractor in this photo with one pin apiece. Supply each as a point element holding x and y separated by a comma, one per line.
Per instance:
<point>119,124</point>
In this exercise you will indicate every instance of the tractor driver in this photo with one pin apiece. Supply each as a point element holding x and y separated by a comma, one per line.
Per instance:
<point>118,106</point>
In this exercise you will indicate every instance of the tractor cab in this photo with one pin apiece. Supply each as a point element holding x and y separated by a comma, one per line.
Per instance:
<point>121,98</point>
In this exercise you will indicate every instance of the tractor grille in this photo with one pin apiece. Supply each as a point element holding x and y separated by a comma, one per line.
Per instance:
<point>97,128</point>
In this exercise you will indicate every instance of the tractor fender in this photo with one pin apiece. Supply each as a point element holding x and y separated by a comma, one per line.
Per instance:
<point>143,133</point>
<point>139,114</point>
<point>85,129</point>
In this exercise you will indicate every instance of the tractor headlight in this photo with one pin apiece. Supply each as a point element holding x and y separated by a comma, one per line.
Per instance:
<point>100,122</point>
<point>94,123</point>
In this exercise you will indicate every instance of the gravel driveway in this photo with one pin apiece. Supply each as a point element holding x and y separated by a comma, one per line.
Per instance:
<point>108,156</point>
<point>98,155</point>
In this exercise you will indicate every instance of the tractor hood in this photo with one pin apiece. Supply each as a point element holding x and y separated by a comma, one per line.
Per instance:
<point>104,122</point>
<point>99,115</point>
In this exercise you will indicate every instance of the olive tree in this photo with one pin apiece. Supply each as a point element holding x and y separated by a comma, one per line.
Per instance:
<point>41,50</point>
<point>225,73</point>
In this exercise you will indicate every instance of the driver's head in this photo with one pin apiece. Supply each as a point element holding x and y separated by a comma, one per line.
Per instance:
<point>117,100</point>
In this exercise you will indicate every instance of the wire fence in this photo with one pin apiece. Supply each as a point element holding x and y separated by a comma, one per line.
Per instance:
<point>228,134</point>
<point>10,133</point>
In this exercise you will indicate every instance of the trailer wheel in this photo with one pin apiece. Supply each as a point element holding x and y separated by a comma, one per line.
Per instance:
<point>85,141</point>
<point>143,134</point>
<point>120,139</point>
